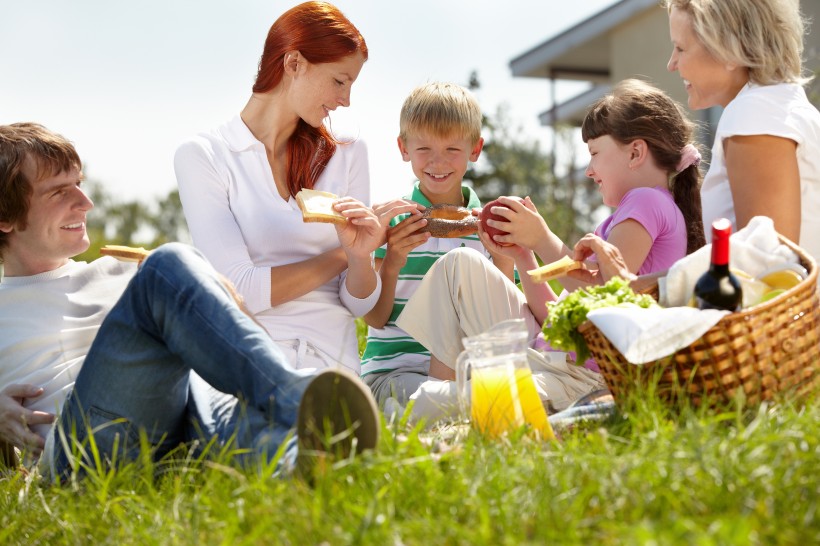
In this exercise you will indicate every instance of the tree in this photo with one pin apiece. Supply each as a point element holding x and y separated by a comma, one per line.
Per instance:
<point>132,223</point>
<point>512,164</point>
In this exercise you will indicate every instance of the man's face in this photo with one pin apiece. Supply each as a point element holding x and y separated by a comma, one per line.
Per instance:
<point>55,228</point>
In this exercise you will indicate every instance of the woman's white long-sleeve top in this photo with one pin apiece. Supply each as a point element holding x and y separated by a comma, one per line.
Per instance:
<point>243,226</point>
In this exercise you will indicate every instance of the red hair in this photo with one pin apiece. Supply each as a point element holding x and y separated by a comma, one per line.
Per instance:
<point>322,34</point>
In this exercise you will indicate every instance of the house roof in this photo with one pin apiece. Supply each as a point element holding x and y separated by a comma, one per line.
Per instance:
<point>581,52</point>
<point>573,110</point>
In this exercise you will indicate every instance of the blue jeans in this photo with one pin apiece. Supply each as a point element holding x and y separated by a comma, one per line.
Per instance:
<point>177,359</point>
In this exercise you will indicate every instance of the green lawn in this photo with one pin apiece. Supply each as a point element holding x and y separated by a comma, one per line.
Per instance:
<point>648,476</point>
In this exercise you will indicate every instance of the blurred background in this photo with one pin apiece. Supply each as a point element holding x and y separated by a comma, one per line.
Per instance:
<point>127,82</point>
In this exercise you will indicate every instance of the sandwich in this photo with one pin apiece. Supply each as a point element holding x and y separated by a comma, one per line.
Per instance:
<point>125,253</point>
<point>317,206</point>
<point>554,270</point>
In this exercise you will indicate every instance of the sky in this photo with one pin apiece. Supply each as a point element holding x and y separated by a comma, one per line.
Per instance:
<point>127,82</point>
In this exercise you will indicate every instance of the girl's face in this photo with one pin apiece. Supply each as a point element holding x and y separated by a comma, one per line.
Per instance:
<point>708,81</point>
<point>318,89</point>
<point>609,168</point>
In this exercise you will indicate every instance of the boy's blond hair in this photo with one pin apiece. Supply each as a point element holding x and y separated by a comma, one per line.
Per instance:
<point>441,109</point>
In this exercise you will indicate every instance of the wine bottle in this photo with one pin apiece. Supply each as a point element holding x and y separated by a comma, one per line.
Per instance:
<point>718,288</point>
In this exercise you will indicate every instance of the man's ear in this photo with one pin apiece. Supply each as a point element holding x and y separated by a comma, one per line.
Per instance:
<point>6,227</point>
<point>477,150</point>
<point>405,155</point>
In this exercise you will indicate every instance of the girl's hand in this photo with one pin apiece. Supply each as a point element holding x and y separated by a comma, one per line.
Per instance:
<point>524,226</point>
<point>495,249</point>
<point>610,261</point>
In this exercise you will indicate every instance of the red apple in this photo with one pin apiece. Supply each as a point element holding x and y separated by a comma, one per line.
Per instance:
<point>487,215</point>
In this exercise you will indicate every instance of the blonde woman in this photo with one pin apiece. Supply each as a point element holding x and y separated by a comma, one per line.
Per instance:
<point>746,57</point>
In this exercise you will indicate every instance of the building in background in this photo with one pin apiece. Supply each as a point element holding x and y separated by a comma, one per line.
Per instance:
<point>629,39</point>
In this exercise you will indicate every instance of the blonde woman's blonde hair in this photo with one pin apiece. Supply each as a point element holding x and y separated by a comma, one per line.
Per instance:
<point>765,36</point>
<point>441,109</point>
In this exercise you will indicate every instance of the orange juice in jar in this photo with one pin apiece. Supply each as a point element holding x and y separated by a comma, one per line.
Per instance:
<point>504,399</point>
<point>500,395</point>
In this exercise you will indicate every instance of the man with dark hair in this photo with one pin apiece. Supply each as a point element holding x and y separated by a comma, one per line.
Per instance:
<point>115,349</point>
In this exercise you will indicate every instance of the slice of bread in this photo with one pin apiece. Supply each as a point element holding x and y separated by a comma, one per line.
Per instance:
<point>317,206</point>
<point>125,253</point>
<point>554,270</point>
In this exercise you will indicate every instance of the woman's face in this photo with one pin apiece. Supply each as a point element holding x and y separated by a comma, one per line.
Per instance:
<point>709,82</point>
<point>318,89</point>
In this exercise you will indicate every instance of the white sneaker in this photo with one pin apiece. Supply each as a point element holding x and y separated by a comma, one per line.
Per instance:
<point>393,411</point>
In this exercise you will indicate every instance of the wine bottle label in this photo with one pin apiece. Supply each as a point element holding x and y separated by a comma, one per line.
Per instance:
<point>701,303</point>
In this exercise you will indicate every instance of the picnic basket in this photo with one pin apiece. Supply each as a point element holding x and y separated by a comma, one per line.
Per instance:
<point>765,351</point>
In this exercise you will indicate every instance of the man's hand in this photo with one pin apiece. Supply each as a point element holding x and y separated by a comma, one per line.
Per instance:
<point>15,419</point>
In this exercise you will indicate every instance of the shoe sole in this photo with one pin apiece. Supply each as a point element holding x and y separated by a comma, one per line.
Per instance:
<point>337,416</point>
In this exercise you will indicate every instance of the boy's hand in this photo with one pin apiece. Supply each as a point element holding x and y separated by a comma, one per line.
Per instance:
<point>402,238</point>
<point>524,226</point>
<point>390,209</point>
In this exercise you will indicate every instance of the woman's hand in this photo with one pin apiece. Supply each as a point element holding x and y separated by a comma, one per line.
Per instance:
<point>390,209</point>
<point>15,419</point>
<point>363,232</point>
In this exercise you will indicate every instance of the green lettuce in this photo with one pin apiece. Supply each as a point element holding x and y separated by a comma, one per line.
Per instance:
<point>561,328</point>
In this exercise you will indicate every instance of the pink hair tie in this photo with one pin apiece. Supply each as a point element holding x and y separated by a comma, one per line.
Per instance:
<point>689,156</point>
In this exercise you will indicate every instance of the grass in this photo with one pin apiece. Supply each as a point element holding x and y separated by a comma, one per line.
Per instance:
<point>648,476</point>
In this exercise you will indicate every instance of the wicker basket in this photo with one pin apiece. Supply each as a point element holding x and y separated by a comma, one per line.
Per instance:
<point>767,350</point>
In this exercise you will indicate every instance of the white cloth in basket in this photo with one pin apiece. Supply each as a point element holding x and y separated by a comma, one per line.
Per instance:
<point>754,249</point>
<point>645,335</point>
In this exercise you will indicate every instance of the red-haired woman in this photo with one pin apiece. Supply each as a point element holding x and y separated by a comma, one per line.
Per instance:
<point>304,282</point>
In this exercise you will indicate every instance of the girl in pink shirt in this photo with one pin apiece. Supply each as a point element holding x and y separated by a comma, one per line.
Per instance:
<point>646,168</point>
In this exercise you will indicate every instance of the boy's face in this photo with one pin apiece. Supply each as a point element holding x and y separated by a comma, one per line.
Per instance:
<point>439,163</point>
<point>55,226</point>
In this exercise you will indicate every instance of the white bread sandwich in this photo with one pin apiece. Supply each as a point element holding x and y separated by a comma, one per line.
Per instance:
<point>554,270</point>
<point>317,206</point>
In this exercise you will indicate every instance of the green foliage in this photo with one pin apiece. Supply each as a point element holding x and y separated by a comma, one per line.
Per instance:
<point>561,330</point>
<point>361,334</point>
<point>647,476</point>
<point>132,223</point>
<point>511,164</point>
